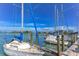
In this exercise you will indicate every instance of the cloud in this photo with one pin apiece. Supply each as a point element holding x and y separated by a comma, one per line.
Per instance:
<point>32,24</point>
<point>3,23</point>
<point>29,24</point>
<point>38,28</point>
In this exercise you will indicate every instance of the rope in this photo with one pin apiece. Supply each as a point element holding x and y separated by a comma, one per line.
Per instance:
<point>32,15</point>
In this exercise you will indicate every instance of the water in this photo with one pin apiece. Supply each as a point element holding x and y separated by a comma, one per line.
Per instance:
<point>7,37</point>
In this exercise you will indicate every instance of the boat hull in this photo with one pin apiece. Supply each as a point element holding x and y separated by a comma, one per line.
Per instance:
<point>19,53</point>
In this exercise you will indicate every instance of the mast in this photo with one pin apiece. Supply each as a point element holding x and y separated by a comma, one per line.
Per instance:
<point>62,37</point>
<point>22,21</point>
<point>22,18</point>
<point>77,22</point>
<point>62,15</point>
<point>55,18</point>
<point>58,38</point>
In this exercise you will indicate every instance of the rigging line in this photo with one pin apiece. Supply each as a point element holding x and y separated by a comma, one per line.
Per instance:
<point>69,8</point>
<point>34,24</point>
<point>62,15</point>
<point>14,15</point>
<point>16,5</point>
<point>55,17</point>
<point>38,5</point>
<point>22,20</point>
<point>77,21</point>
<point>65,10</point>
<point>27,9</point>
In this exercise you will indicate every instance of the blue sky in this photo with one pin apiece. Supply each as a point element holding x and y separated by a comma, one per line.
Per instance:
<point>44,15</point>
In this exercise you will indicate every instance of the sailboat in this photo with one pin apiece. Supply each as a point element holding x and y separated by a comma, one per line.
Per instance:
<point>20,48</point>
<point>52,38</point>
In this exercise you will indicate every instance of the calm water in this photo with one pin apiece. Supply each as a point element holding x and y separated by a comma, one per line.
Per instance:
<point>7,37</point>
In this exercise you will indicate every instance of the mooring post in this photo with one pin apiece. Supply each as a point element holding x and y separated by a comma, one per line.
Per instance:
<point>72,39</point>
<point>31,40</point>
<point>62,37</point>
<point>25,40</point>
<point>39,32</point>
<point>75,37</point>
<point>58,45</point>
<point>37,40</point>
<point>46,34</point>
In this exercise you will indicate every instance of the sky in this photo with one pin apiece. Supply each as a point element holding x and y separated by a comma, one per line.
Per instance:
<point>43,13</point>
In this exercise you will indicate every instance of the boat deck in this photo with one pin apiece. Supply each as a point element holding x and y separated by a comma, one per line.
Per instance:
<point>73,50</point>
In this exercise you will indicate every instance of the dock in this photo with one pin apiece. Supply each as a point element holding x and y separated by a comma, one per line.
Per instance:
<point>72,50</point>
<point>49,52</point>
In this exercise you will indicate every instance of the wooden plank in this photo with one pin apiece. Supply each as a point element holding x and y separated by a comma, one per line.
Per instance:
<point>72,50</point>
<point>53,52</point>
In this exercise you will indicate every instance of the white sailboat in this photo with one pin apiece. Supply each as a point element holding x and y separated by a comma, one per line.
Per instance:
<point>52,39</point>
<point>16,48</point>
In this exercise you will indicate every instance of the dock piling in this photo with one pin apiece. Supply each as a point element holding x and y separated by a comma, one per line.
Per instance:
<point>58,45</point>
<point>62,43</point>
<point>31,40</point>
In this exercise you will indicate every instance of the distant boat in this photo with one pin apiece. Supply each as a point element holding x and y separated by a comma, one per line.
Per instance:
<point>52,39</point>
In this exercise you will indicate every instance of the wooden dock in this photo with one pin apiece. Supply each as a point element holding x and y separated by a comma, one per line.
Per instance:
<point>49,51</point>
<point>72,50</point>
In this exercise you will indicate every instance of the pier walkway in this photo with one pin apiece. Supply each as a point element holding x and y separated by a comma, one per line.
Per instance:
<point>73,50</point>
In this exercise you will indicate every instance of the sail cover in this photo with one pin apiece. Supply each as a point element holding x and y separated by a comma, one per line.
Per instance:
<point>20,38</point>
